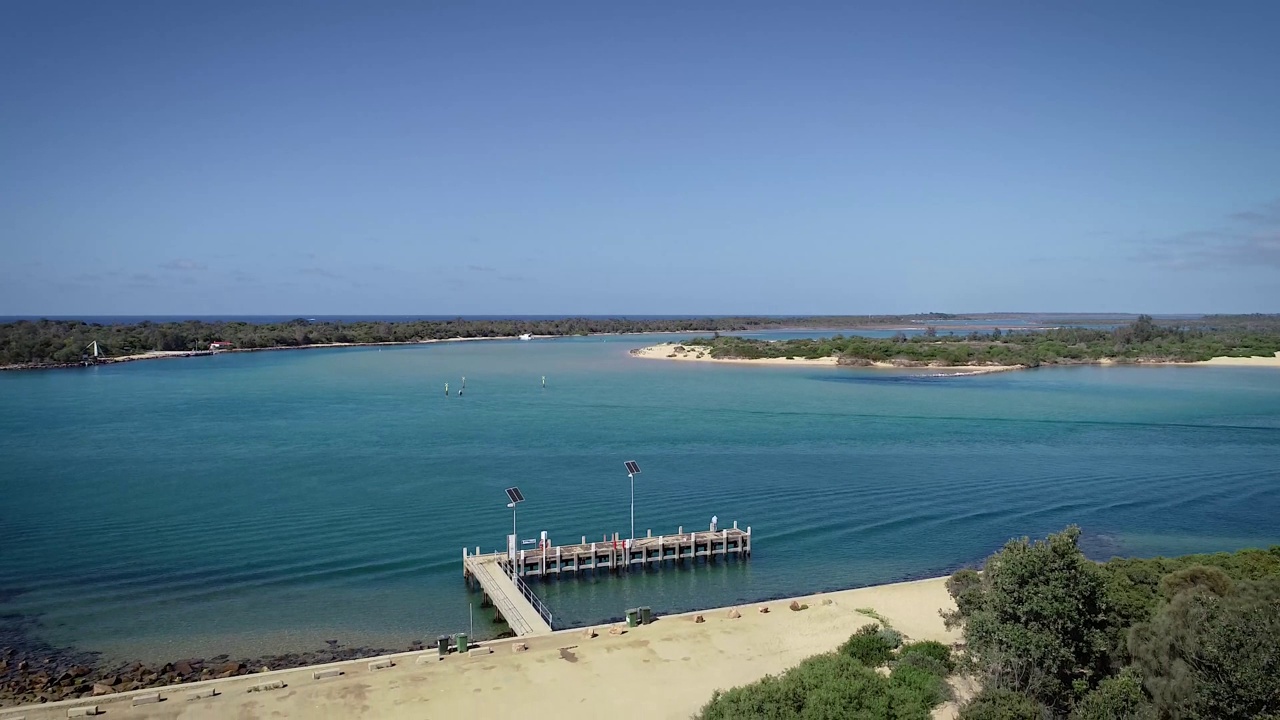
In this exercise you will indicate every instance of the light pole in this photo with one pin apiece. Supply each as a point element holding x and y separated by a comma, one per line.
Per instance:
<point>516,497</point>
<point>633,470</point>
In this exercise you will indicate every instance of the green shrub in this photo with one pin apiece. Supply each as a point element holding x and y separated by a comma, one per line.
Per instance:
<point>868,647</point>
<point>1000,704</point>
<point>1116,698</point>
<point>931,649</point>
<point>926,686</point>
<point>891,636</point>
<point>829,687</point>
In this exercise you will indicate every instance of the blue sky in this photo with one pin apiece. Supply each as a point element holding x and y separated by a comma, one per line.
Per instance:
<point>607,158</point>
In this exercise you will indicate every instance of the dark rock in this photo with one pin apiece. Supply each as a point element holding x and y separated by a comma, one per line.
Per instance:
<point>183,667</point>
<point>231,667</point>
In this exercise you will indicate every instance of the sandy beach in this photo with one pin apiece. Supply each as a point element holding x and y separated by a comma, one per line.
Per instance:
<point>701,353</point>
<point>1256,361</point>
<point>665,670</point>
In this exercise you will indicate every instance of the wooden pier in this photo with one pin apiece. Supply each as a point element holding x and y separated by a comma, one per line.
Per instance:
<point>527,615</point>
<point>511,598</point>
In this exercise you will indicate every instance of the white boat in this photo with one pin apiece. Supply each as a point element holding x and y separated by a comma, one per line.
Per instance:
<point>526,336</point>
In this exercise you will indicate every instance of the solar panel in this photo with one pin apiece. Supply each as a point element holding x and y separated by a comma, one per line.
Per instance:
<point>514,494</point>
<point>632,467</point>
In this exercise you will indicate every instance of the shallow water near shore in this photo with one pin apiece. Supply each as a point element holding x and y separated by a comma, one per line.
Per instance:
<point>266,502</point>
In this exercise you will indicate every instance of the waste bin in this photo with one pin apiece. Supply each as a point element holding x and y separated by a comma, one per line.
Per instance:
<point>646,615</point>
<point>443,643</point>
<point>463,644</point>
<point>633,617</point>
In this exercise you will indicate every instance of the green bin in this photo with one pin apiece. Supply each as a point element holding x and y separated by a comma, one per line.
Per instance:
<point>633,617</point>
<point>463,645</point>
<point>646,615</point>
<point>442,643</point>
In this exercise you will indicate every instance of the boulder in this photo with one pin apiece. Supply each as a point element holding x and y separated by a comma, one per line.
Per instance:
<point>827,601</point>
<point>699,619</point>
<point>589,633</point>
<point>616,630</point>
<point>519,647</point>
<point>795,605</point>
<point>229,669</point>
<point>734,614</point>
<point>182,667</point>
<point>764,609</point>
<point>102,689</point>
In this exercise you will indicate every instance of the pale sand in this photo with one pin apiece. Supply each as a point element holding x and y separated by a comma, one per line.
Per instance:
<point>665,670</point>
<point>667,351</point>
<point>1256,361</point>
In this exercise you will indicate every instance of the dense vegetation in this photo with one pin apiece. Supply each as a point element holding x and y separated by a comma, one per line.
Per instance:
<point>1053,635</point>
<point>845,684</point>
<point>1140,341</point>
<point>63,341</point>
<point>1049,634</point>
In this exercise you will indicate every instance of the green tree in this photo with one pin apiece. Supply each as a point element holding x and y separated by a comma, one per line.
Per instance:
<point>1207,657</point>
<point>1038,623</point>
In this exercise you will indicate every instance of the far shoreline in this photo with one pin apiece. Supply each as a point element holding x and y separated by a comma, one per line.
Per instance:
<point>702,354</point>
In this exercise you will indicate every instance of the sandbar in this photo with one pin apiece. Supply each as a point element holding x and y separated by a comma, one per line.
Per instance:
<point>702,353</point>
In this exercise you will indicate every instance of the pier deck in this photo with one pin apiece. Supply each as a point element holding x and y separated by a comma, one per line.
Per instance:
<point>527,615</point>
<point>518,606</point>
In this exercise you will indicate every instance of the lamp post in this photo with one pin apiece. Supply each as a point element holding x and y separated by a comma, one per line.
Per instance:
<point>516,497</point>
<point>633,469</point>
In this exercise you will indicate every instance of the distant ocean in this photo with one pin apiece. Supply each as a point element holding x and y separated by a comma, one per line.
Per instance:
<point>266,502</point>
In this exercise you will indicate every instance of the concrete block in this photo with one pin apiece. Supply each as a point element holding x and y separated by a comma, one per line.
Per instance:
<point>203,693</point>
<point>322,674</point>
<point>146,698</point>
<point>381,665</point>
<point>86,711</point>
<point>519,647</point>
<point>480,651</point>
<point>264,687</point>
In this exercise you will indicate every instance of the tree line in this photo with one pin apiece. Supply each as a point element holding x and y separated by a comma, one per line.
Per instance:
<point>65,341</point>
<point>1141,340</point>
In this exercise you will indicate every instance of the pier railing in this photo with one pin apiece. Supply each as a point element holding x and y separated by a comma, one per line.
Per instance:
<point>534,600</point>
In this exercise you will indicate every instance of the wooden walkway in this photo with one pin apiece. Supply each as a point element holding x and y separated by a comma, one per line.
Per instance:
<point>649,551</point>
<point>520,607</point>
<point>515,603</point>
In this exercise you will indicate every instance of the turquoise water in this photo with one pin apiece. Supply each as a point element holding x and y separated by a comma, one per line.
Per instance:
<point>265,502</point>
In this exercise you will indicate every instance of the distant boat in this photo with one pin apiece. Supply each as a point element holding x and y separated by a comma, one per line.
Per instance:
<point>526,336</point>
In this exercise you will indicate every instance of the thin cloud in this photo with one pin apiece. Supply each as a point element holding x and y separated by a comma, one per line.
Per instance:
<point>513,278</point>
<point>182,265</point>
<point>1248,238</point>
<point>319,272</point>
<point>481,268</point>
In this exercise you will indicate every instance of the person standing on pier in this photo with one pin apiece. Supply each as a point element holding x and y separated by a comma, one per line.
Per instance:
<point>715,520</point>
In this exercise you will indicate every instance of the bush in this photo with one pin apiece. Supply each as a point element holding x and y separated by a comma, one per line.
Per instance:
<point>998,704</point>
<point>1116,698</point>
<point>868,647</point>
<point>931,649</point>
<point>928,687</point>
<point>830,686</point>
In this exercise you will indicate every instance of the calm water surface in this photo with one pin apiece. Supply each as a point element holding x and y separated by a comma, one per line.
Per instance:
<point>266,502</point>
